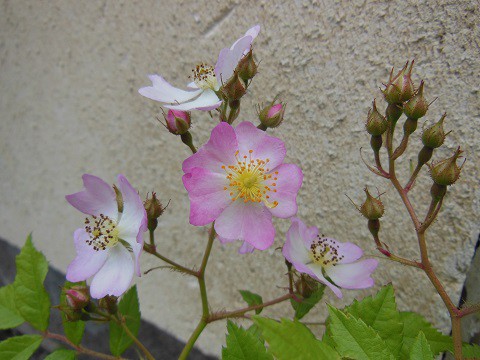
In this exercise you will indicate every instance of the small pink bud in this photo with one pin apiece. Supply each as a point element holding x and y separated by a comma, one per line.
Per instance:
<point>178,122</point>
<point>272,115</point>
<point>77,297</point>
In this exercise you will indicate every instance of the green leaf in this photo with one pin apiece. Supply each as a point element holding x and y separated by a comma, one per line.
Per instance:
<point>290,340</point>
<point>9,315</point>
<point>413,324</point>
<point>307,304</point>
<point>74,330</point>
<point>380,313</point>
<point>31,298</point>
<point>19,347</point>
<point>62,354</point>
<point>243,345</point>
<point>420,349</point>
<point>256,331</point>
<point>130,309</point>
<point>471,351</point>
<point>356,339</point>
<point>252,299</point>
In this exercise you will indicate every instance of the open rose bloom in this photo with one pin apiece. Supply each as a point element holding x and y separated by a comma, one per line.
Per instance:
<point>103,245</point>
<point>238,180</point>
<point>322,257</point>
<point>207,80</point>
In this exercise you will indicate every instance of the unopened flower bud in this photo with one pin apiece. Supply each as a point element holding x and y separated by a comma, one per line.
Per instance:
<point>178,122</point>
<point>376,123</point>
<point>235,88</point>
<point>247,68</point>
<point>119,198</point>
<point>77,297</point>
<point>417,106</point>
<point>446,172</point>
<point>306,285</point>
<point>434,136</point>
<point>372,208</point>
<point>109,303</point>
<point>271,116</point>
<point>400,88</point>
<point>73,315</point>
<point>154,210</point>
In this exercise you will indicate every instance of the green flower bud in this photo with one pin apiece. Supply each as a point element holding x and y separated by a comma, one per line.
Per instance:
<point>109,303</point>
<point>376,123</point>
<point>446,172</point>
<point>372,208</point>
<point>271,116</point>
<point>417,106</point>
<point>434,136</point>
<point>306,285</point>
<point>247,68</point>
<point>154,210</point>
<point>400,88</point>
<point>235,88</point>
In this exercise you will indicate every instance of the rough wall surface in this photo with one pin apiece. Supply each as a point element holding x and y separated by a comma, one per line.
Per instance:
<point>69,74</point>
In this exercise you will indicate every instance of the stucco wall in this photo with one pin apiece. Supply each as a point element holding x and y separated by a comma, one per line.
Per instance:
<point>69,74</point>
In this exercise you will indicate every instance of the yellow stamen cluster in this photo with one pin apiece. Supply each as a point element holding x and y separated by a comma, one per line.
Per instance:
<point>204,77</point>
<point>102,230</point>
<point>250,180</point>
<point>324,251</point>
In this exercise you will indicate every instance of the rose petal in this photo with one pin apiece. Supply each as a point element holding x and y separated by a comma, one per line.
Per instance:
<point>97,198</point>
<point>88,261</point>
<point>250,222</point>
<point>228,59</point>
<point>206,101</point>
<point>246,248</point>
<point>354,275</point>
<point>115,276</point>
<point>289,180</point>
<point>318,274</point>
<point>133,221</point>
<point>263,146</point>
<point>295,249</point>
<point>163,91</point>
<point>207,195</point>
<point>349,251</point>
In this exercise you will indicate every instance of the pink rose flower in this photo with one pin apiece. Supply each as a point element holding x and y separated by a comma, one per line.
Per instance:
<point>103,244</point>
<point>238,180</point>
<point>322,257</point>
<point>201,94</point>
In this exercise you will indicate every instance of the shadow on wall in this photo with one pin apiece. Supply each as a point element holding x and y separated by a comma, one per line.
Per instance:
<point>161,344</point>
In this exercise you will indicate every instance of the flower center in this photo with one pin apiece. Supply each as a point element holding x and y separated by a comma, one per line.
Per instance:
<point>249,180</point>
<point>324,252</point>
<point>204,77</point>
<point>102,230</point>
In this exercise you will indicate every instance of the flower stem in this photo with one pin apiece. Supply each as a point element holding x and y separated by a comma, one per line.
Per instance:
<point>121,321</point>
<point>151,250</point>
<point>79,348</point>
<point>193,338</point>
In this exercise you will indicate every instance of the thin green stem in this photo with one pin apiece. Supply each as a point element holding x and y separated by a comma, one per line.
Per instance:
<point>184,269</point>
<point>152,237</point>
<point>80,348</point>
<point>121,321</point>
<point>193,338</point>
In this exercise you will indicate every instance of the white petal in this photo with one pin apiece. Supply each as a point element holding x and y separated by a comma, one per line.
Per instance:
<point>207,100</point>
<point>163,91</point>
<point>134,216</point>
<point>115,276</point>
<point>228,59</point>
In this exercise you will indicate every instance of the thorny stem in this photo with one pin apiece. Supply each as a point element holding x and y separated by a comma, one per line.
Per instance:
<point>79,348</point>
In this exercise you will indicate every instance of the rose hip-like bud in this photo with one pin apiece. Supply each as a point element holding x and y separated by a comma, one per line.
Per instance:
<point>235,88</point>
<point>446,172</point>
<point>271,115</point>
<point>306,285</point>
<point>400,88</point>
<point>417,106</point>
<point>247,68</point>
<point>372,208</point>
<point>178,122</point>
<point>434,136</point>
<point>376,123</point>
<point>109,303</point>
<point>154,210</point>
<point>77,297</point>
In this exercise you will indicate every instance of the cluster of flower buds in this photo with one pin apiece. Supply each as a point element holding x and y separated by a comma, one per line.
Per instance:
<point>399,88</point>
<point>271,115</point>
<point>154,210</point>
<point>235,87</point>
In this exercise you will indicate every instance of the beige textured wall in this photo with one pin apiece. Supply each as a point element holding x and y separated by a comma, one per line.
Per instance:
<point>69,74</point>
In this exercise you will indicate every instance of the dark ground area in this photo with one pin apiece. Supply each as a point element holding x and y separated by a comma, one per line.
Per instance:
<point>160,343</point>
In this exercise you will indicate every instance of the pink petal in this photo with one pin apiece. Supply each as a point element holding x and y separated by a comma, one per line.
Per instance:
<point>349,251</point>
<point>133,221</point>
<point>354,275</point>
<point>97,198</point>
<point>162,91</point>
<point>289,180</point>
<point>115,276</point>
<point>206,101</point>
<point>218,151</point>
<point>250,222</point>
<point>263,146</point>
<point>318,274</point>
<point>228,59</point>
<point>246,248</point>
<point>207,195</point>
<point>88,261</point>
<point>296,246</point>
